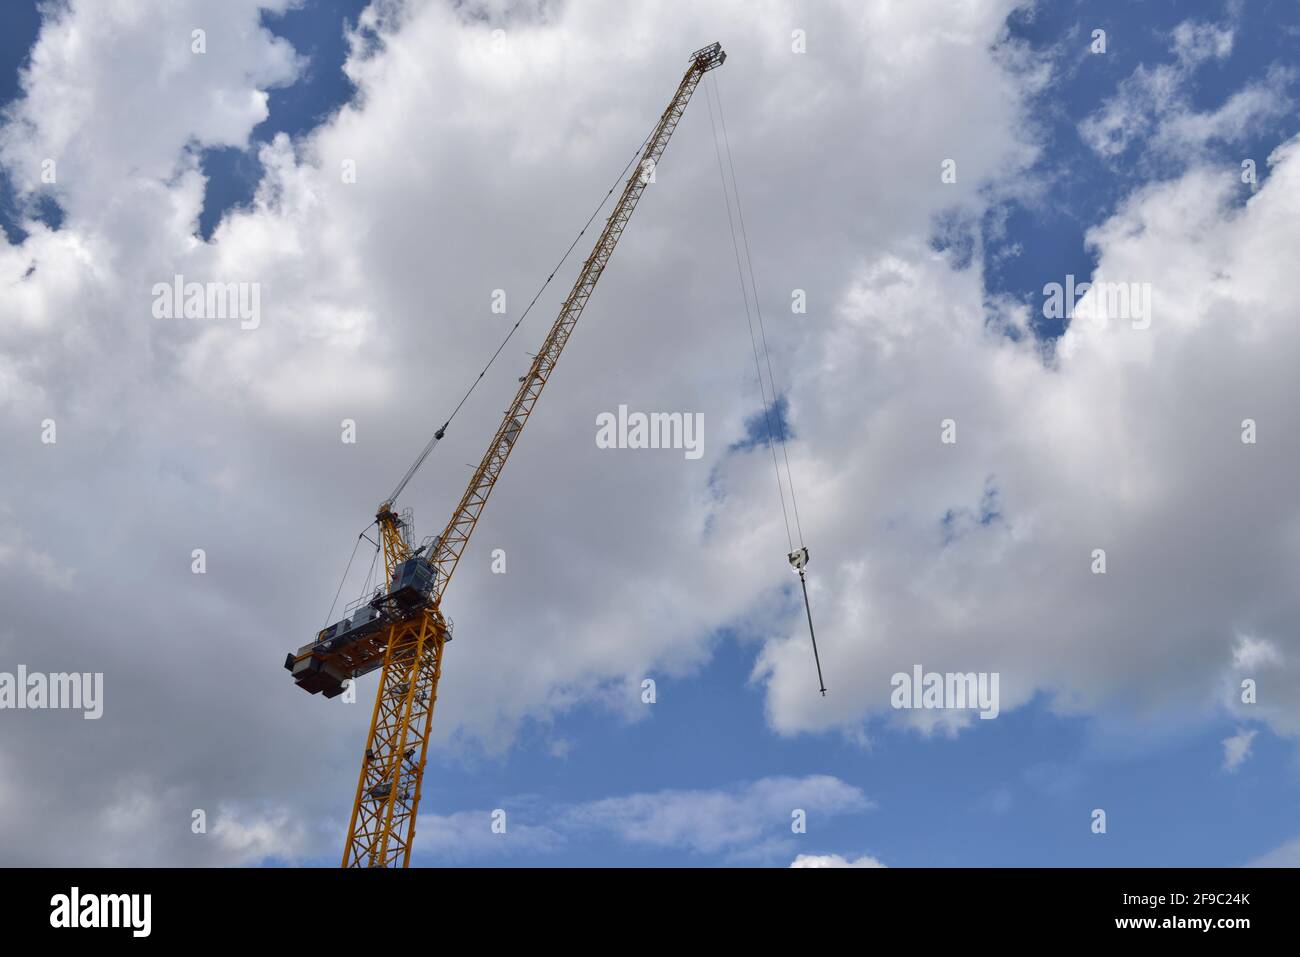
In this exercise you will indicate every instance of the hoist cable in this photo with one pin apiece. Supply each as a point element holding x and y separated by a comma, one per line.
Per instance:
<point>437,436</point>
<point>749,321</point>
<point>758,309</point>
<point>798,558</point>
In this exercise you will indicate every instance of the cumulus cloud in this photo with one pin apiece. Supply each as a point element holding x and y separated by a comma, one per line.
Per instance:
<point>469,836</point>
<point>744,823</point>
<point>19,553</point>
<point>89,54</point>
<point>254,837</point>
<point>709,821</point>
<point>1236,749</point>
<point>1286,855</point>
<point>1153,106</point>
<point>1195,42</point>
<point>123,830</point>
<point>834,860</point>
<point>1125,439</point>
<point>476,162</point>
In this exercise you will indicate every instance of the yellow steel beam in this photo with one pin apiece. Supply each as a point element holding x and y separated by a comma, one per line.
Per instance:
<point>381,832</point>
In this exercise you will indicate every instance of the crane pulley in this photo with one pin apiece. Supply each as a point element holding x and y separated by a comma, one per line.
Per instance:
<point>401,629</point>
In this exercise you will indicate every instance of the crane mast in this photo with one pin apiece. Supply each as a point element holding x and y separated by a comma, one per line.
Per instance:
<point>401,630</point>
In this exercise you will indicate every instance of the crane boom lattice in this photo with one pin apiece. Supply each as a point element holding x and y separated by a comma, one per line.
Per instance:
<point>457,533</point>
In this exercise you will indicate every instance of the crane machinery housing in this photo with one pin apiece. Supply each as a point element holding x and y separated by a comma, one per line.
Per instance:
<point>400,629</point>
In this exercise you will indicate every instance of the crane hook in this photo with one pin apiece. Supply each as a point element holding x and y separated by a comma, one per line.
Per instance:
<point>798,561</point>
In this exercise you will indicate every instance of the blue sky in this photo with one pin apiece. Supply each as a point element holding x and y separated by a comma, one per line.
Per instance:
<point>316,32</point>
<point>1015,791</point>
<point>1087,187</point>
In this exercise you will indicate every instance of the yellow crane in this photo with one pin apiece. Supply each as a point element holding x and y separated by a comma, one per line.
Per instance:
<point>401,629</point>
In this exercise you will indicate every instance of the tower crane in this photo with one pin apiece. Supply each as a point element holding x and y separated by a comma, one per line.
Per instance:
<point>401,630</point>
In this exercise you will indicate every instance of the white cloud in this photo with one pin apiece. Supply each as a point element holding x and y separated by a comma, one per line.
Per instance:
<point>1130,113</point>
<point>711,821</point>
<point>376,294</point>
<point>19,554</point>
<point>1126,439</point>
<point>1243,113</point>
<point>248,837</point>
<point>748,822</point>
<point>95,65</point>
<point>1154,104</point>
<point>141,820</point>
<point>1195,43</point>
<point>469,835</point>
<point>474,169</point>
<point>1286,855</point>
<point>1236,749</point>
<point>1251,653</point>
<point>834,860</point>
